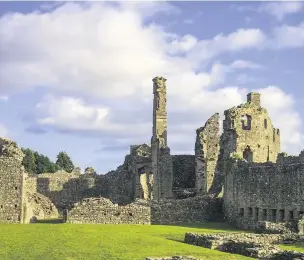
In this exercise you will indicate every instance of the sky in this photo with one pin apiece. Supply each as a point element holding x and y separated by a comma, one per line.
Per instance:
<point>77,76</point>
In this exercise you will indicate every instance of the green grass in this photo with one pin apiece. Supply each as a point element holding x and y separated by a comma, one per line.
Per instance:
<point>294,247</point>
<point>71,242</point>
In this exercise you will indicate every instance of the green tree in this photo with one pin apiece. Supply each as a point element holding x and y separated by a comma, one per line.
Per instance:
<point>64,162</point>
<point>29,161</point>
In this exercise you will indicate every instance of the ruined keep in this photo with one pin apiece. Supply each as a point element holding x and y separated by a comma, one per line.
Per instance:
<point>248,132</point>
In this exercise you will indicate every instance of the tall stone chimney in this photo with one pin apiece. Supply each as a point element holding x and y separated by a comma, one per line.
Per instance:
<point>162,167</point>
<point>254,98</point>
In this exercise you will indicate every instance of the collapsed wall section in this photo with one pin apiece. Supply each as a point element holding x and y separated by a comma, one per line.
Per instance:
<point>166,211</point>
<point>103,211</point>
<point>206,154</point>
<point>64,189</point>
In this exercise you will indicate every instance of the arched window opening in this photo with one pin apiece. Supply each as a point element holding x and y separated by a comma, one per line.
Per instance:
<point>248,154</point>
<point>246,122</point>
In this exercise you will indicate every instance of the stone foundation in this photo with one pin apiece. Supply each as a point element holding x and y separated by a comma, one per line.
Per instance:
<point>260,246</point>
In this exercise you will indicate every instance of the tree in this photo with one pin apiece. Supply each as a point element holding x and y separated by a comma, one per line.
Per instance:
<point>64,162</point>
<point>29,161</point>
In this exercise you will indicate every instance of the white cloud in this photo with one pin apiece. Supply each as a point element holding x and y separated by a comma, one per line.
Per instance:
<point>76,115</point>
<point>3,131</point>
<point>288,36</point>
<point>4,98</point>
<point>109,52</point>
<point>245,64</point>
<point>281,9</point>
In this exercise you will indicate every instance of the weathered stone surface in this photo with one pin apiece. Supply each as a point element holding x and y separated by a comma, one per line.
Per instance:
<point>162,167</point>
<point>11,182</point>
<point>103,211</point>
<point>206,153</point>
<point>64,189</point>
<point>183,171</point>
<point>270,192</point>
<point>38,207</point>
<point>248,132</point>
<point>191,210</point>
<point>260,246</point>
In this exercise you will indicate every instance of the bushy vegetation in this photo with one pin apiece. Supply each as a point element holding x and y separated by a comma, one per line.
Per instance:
<point>92,242</point>
<point>36,163</point>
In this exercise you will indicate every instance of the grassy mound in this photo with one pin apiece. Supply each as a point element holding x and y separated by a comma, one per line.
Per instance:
<point>71,242</point>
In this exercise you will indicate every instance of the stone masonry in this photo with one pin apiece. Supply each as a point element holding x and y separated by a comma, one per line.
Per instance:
<point>248,132</point>
<point>259,246</point>
<point>162,167</point>
<point>11,182</point>
<point>103,211</point>
<point>206,153</point>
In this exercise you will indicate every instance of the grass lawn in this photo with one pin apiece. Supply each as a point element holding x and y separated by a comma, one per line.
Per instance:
<point>295,247</point>
<point>71,242</point>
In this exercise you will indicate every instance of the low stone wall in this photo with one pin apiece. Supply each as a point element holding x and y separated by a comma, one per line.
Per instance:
<point>168,211</point>
<point>267,227</point>
<point>103,211</point>
<point>191,210</point>
<point>260,246</point>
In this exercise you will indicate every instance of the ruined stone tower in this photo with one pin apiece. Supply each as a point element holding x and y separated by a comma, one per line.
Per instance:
<point>248,132</point>
<point>162,167</point>
<point>206,154</point>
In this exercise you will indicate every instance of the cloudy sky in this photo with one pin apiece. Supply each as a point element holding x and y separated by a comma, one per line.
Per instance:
<point>78,76</point>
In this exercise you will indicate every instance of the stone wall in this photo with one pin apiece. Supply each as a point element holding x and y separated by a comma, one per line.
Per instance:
<point>64,189</point>
<point>11,182</point>
<point>263,192</point>
<point>103,211</point>
<point>183,171</point>
<point>191,210</point>
<point>248,132</point>
<point>207,148</point>
<point>38,207</point>
<point>250,245</point>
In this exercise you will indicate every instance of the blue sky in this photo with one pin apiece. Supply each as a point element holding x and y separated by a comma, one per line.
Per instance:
<point>78,76</point>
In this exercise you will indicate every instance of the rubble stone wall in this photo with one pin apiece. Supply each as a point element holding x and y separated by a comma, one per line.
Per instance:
<point>191,210</point>
<point>263,192</point>
<point>183,171</point>
<point>64,189</point>
<point>103,211</point>
<point>251,245</point>
<point>11,182</point>
<point>207,147</point>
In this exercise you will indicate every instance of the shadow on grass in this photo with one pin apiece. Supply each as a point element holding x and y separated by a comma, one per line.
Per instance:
<point>213,226</point>
<point>48,221</point>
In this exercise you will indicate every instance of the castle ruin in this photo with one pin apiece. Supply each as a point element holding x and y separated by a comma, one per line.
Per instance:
<point>260,185</point>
